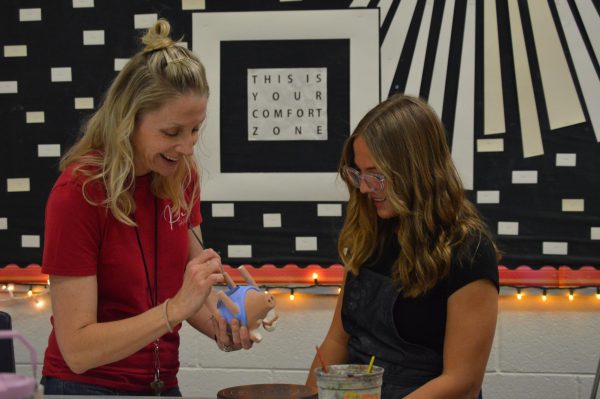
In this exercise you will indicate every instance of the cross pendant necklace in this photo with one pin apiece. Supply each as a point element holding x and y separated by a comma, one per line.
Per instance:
<point>157,385</point>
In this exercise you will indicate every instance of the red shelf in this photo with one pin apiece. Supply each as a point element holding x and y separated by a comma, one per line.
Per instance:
<point>269,274</point>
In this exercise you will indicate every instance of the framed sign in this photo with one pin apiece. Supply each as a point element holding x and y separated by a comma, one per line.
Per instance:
<point>287,88</point>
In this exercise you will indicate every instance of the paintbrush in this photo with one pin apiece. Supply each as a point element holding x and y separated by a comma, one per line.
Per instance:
<point>370,368</point>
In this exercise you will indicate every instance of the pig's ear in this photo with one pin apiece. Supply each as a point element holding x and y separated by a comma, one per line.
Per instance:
<point>246,274</point>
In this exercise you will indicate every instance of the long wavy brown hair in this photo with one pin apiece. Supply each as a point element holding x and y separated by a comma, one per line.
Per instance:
<point>434,220</point>
<point>160,72</point>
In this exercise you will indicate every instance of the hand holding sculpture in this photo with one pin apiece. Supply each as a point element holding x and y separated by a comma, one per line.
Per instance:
<point>248,304</point>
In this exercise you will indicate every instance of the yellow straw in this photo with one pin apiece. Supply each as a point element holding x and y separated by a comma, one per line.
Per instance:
<point>371,364</point>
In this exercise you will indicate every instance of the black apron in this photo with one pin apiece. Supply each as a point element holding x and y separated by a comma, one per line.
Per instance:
<point>368,318</point>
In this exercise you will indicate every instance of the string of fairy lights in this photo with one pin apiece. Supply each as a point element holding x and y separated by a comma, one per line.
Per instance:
<point>13,292</point>
<point>544,291</point>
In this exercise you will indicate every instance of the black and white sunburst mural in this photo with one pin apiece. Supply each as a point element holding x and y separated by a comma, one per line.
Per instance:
<point>516,82</point>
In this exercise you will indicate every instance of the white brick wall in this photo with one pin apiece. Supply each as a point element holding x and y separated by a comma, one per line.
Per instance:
<point>540,350</point>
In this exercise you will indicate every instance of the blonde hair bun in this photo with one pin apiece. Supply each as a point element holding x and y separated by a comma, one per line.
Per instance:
<point>158,36</point>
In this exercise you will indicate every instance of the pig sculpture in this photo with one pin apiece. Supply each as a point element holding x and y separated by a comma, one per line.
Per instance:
<point>247,303</point>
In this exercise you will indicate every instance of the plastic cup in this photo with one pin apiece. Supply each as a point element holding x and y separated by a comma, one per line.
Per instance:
<point>349,381</point>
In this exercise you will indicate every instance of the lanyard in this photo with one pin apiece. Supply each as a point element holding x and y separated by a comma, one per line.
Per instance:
<point>152,293</point>
<point>157,385</point>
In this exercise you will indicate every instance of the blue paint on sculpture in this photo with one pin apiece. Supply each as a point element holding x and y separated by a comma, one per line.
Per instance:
<point>238,296</point>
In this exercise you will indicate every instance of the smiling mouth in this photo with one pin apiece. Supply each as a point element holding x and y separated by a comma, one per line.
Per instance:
<point>169,158</point>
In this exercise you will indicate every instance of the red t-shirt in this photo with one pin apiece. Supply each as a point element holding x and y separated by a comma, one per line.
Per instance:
<point>82,240</point>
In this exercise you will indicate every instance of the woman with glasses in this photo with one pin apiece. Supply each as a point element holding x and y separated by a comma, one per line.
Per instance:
<point>120,241</point>
<point>421,288</point>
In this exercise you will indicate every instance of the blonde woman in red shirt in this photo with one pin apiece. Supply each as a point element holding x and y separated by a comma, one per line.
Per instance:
<point>125,266</point>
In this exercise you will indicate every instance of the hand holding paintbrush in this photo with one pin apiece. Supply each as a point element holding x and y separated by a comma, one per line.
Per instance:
<point>323,364</point>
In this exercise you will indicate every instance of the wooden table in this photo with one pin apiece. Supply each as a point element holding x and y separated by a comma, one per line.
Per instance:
<point>256,391</point>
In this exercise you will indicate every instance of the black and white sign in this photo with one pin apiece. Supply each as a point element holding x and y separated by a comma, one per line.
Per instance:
<point>340,55</point>
<point>287,104</point>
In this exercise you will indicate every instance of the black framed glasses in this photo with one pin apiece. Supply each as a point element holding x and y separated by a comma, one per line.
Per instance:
<point>373,181</point>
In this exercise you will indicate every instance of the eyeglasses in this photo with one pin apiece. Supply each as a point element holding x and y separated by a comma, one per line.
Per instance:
<point>373,181</point>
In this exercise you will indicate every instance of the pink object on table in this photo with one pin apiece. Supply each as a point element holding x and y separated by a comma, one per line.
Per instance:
<point>14,386</point>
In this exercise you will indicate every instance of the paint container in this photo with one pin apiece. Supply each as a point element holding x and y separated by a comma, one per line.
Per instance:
<point>349,381</point>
